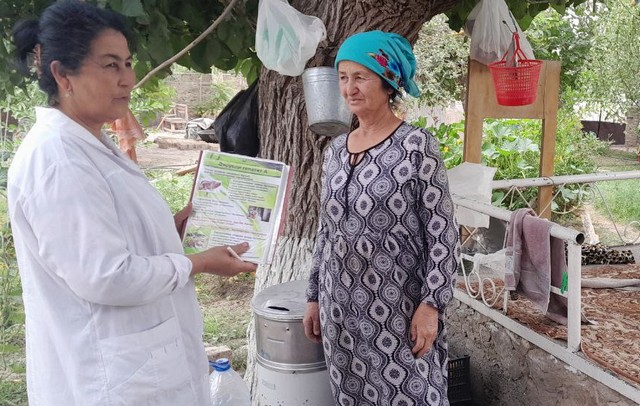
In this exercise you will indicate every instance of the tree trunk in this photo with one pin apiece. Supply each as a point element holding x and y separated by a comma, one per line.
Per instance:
<point>284,129</point>
<point>631,128</point>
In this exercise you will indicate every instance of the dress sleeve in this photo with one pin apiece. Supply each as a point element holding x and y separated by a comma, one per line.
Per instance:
<point>312,288</point>
<point>81,241</point>
<point>440,229</point>
<point>321,237</point>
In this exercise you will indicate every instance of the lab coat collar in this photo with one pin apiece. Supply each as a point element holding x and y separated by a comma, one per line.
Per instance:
<point>73,128</point>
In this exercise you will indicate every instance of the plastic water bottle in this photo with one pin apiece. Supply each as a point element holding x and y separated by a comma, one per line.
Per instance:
<point>227,386</point>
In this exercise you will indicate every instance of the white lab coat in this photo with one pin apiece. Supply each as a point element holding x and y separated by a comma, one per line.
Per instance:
<point>111,312</point>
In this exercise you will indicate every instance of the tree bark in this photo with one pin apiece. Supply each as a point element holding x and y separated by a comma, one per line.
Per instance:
<point>285,135</point>
<point>631,127</point>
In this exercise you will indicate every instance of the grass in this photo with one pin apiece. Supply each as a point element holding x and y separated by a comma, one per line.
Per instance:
<point>616,160</point>
<point>13,392</point>
<point>621,196</point>
<point>12,376</point>
<point>226,308</point>
<point>622,199</point>
<point>175,189</point>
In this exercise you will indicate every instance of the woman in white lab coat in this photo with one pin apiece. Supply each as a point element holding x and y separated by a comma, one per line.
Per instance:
<point>111,311</point>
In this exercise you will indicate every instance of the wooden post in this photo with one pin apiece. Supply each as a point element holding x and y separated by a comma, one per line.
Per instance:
<point>482,103</point>
<point>551,72</point>
<point>476,87</point>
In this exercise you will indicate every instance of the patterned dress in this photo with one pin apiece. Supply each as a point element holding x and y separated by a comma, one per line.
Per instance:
<point>387,241</point>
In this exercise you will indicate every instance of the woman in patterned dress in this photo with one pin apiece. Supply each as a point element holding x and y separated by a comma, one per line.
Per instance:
<point>387,247</point>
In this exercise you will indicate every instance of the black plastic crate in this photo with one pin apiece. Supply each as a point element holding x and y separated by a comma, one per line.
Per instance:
<point>459,391</point>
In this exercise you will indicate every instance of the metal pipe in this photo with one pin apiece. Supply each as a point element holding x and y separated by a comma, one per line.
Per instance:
<point>561,180</point>
<point>556,230</point>
<point>574,296</point>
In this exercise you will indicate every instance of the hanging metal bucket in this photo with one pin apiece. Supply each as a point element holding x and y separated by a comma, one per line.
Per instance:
<point>327,111</point>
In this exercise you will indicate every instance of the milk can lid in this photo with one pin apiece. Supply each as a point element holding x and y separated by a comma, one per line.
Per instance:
<point>286,301</point>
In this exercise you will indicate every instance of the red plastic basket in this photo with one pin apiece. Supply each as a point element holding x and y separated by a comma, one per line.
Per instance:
<point>516,85</point>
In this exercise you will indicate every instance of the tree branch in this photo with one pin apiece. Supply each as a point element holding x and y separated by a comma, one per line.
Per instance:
<point>186,49</point>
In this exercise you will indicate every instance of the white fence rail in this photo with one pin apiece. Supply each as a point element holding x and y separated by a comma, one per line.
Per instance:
<point>514,186</point>
<point>573,239</point>
<point>569,354</point>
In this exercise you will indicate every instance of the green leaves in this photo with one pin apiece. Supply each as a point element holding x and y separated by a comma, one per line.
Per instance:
<point>512,146</point>
<point>128,8</point>
<point>162,29</point>
<point>212,52</point>
<point>249,68</point>
<point>441,60</point>
<point>523,11</point>
<point>611,82</point>
<point>168,26</point>
<point>152,99</point>
<point>559,7</point>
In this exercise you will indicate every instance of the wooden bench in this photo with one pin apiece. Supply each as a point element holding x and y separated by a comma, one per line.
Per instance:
<point>176,120</point>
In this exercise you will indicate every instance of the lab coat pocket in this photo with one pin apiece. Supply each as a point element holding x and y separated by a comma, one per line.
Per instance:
<point>147,365</point>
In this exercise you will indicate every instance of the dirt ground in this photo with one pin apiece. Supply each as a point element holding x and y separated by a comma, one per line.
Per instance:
<point>152,156</point>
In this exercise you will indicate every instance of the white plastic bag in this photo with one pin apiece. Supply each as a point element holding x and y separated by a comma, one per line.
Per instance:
<point>471,181</point>
<point>285,38</point>
<point>491,26</point>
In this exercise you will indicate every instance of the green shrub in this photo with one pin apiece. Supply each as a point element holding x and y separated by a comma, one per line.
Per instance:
<point>451,137</point>
<point>220,95</point>
<point>20,104</point>
<point>512,147</point>
<point>176,190</point>
<point>153,99</point>
<point>12,391</point>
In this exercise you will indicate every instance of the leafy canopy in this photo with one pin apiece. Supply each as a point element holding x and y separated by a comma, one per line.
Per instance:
<point>612,80</point>
<point>164,27</point>
<point>442,63</point>
<point>523,10</point>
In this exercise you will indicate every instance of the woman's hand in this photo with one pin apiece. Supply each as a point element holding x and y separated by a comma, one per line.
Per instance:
<point>180,218</point>
<point>311,322</point>
<point>219,261</point>
<point>424,329</point>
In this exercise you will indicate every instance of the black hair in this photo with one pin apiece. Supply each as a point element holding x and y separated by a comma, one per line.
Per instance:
<point>64,32</point>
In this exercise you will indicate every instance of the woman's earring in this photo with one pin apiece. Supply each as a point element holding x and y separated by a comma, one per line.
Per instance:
<point>67,93</point>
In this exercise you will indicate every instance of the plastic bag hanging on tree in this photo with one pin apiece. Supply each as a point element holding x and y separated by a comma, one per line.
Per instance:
<point>237,124</point>
<point>285,38</point>
<point>491,26</point>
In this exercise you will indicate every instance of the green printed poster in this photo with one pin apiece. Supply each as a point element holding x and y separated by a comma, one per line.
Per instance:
<point>236,199</point>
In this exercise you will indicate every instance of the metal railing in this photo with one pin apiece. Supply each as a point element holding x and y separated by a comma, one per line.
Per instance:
<point>489,292</point>
<point>514,189</point>
<point>573,239</point>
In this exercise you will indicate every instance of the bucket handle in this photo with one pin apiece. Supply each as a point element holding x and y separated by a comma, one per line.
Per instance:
<point>279,308</point>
